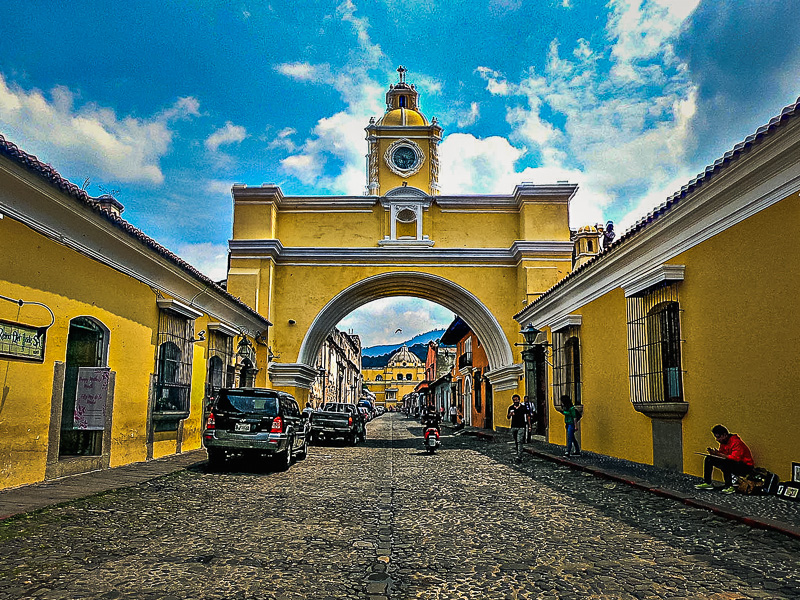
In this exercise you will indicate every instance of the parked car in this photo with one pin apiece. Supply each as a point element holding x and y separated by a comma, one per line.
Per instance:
<point>256,422</point>
<point>365,413</point>
<point>340,420</point>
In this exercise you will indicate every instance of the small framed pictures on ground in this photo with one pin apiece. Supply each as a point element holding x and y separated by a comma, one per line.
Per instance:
<point>789,490</point>
<point>796,472</point>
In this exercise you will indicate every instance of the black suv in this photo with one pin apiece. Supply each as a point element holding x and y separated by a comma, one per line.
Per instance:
<point>256,421</point>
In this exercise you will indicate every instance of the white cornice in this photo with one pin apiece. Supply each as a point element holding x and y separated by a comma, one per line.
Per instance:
<point>409,244</point>
<point>505,378</point>
<point>179,308</point>
<point>653,277</point>
<point>402,252</point>
<point>565,321</point>
<point>292,375</point>
<point>222,328</point>
<point>767,174</point>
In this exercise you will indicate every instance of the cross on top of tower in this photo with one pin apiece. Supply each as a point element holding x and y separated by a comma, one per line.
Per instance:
<point>402,70</point>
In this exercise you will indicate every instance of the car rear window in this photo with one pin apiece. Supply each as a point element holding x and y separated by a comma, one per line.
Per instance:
<point>335,407</point>
<point>247,403</point>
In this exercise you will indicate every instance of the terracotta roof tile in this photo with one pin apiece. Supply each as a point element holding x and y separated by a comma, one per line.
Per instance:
<point>51,176</point>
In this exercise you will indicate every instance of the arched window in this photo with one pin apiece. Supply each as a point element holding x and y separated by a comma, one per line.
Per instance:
<point>467,401</point>
<point>172,395</point>
<point>409,377</point>
<point>399,377</point>
<point>247,376</point>
<point>654,345</point>
<point>664,351</point>
<point>87,346</point>
<point>216,373</point>
<point>572,369</point>
<point>379,378</point>
<point>567,364</point>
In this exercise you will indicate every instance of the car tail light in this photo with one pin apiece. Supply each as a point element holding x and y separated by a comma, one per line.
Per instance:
<point>277,425</point>
<point>211,423</point>
<point>350,421</point>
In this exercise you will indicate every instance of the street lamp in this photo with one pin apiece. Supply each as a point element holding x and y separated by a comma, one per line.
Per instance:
<point>534,356</point>
<point>529,334</point>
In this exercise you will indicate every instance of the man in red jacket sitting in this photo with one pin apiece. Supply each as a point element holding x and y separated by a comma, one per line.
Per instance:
<point>732,458</point>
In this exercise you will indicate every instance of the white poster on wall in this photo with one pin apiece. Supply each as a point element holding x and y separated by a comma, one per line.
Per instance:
<point>90,398</point>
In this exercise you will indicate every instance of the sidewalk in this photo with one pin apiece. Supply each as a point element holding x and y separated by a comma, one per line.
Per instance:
<point>36,496</point>
<point>765,512</point>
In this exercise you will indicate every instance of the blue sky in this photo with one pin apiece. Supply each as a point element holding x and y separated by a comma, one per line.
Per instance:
<point>171,103</point>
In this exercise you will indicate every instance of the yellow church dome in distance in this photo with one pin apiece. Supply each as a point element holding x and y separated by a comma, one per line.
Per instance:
<point>404,357</point>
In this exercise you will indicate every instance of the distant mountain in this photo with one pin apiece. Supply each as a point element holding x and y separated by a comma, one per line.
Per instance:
<point>421,339</point>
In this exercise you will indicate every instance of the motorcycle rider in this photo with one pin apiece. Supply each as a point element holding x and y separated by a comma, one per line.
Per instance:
<point>430,417</point>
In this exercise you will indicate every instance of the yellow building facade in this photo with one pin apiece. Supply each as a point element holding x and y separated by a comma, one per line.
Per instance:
<point>399,377</point>
<point>305,262</point>
<point>689,319</point>
<point>110,345</point>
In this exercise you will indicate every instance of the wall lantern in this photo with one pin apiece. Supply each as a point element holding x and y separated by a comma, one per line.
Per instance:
<point>529,334</point>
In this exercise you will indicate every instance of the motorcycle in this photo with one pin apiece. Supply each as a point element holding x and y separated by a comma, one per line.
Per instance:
<point>432,438</point>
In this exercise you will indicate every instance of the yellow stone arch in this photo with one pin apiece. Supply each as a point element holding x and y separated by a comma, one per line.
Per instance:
<point>305,262</point>
<point>419,285</point>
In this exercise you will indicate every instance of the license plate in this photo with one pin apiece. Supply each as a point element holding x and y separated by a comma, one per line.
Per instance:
<point>328,429</point>
<point>243,427</point>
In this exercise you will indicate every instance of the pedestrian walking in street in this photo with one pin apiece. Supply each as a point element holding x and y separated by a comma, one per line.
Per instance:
<point>518,415</point>
<point>732,458</point>
<point>453,414</point>
<point>526,402</point>
<point>570,420</point>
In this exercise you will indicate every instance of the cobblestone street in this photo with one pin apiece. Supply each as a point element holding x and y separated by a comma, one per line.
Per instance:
<point>385,520</point>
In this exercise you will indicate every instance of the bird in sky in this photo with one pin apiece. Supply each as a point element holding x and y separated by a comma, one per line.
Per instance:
<point>398,330</point>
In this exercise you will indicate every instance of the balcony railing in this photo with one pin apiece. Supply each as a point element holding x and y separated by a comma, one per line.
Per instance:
<point>465,360</point>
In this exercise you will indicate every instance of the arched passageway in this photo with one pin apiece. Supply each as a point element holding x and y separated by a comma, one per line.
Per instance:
<point>503,372</point>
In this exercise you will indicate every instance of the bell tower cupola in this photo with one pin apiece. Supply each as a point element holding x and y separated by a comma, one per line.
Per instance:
<point>402,95</point>
<point>403,144</point>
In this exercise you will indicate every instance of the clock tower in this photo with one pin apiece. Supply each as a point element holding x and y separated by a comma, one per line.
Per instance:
<point>403,144</point>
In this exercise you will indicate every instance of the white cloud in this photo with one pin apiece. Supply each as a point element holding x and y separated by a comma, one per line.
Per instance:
<point>377,322</point>
<point>469,116</point>
<point>495,82</point>
<point>219,187</point>
<point>229,134</point>
<point>89,137</point>
<point>615,118</point>
<point>303,71</point>
<point>470,165</point>
<point>283,139</point>
<point>337,141</point>
<point>210,259</point>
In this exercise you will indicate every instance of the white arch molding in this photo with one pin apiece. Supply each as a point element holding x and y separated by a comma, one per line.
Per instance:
<point>503,373</point>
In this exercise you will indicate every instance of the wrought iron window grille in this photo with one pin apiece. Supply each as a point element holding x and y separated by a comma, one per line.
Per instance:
<point>173,365</point>
<point>655,345</point>
<point>567,364</point>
